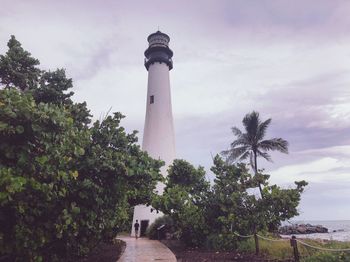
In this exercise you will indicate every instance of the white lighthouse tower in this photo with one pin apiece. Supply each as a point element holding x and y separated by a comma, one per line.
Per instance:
<point>158,135</point>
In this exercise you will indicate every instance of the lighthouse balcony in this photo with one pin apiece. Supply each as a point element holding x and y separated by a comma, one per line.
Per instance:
<point>160,59</point>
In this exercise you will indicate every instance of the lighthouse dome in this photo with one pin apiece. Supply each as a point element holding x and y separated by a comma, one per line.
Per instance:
<point>158,50</point>
<point>158,39</point>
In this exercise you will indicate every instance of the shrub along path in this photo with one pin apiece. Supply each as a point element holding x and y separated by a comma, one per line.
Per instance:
<point>144,250</point>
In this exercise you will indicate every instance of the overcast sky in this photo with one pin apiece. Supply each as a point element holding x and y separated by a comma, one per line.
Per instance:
<point>289,60</point>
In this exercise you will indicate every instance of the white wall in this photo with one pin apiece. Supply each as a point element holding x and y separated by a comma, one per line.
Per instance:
<point>158,136</point>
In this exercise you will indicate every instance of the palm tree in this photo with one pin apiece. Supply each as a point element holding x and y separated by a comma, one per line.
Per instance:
<point>251,143</point>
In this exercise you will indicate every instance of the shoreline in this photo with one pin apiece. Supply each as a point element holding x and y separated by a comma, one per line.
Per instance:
<point>338,230</point>
<point>321,236</point>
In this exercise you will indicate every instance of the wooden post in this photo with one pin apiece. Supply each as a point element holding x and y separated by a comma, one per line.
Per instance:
<point>294,244</point>
<point>256,242</point>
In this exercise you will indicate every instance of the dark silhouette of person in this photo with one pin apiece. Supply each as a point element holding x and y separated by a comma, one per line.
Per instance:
<point>136,226</point>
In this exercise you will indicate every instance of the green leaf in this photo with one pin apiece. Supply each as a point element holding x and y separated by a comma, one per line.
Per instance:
<point>19,129</point>
<point>42,160</point>
<point>3,126</point>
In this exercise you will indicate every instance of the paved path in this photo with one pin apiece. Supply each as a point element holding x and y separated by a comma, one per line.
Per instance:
<point>144,250</point>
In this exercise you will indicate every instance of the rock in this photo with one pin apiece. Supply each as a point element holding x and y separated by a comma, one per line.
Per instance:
<point>302,229</point>
<point>321,229</point>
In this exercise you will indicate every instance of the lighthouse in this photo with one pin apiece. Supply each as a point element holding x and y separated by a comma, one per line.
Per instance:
<point>158,136</point>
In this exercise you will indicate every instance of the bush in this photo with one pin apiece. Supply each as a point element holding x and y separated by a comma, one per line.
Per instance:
<point>184,199</point>
<point>221,242</point>
<point>65,185</point>
<point>152,231</point>
<point>64,188</point>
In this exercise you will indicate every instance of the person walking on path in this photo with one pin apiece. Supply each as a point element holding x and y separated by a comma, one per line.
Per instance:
<point>136,226</point>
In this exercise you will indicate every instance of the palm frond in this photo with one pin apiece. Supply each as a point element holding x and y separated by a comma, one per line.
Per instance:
<point>251,139</point>
<point>228,157</point>
<point>242,141</point>
<point>262,129</point>
<point>236,131</point>
<point>264,155</point>
<point>234,154</point>
<point>251,123</point>
<point>274,144</point>
<point>244,156</point>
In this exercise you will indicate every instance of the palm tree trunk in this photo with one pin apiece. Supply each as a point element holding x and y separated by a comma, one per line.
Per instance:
<point>256,172</point>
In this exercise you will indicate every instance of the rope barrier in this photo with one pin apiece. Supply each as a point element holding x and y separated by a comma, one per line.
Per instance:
<point>269,239</point>
<point>301,242</point>
<point>242,235</point>
<point>273,240</point>
<point>324,249</point>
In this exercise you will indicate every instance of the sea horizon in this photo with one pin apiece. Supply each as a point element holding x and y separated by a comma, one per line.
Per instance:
<point>337,229</point>
<point>315,220</point>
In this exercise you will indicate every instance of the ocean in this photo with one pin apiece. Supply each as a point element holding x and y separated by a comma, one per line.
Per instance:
<point>337,229</point>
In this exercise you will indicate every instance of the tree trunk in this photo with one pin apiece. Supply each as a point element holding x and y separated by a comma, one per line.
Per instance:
<point>256,240</point>
<point>256,172</point>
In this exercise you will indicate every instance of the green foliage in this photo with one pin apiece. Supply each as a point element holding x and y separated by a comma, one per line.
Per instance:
<point>235,209</point>
<point>37,174</point>
<point>240,210</point>
<point>183,174</point>
<point>281,204</point>
<point>17,68</point>
<point>168,223</point>
<point>52,86</point>
<point>221,241</point>
<point>64,185</point>
<point>209,216</point>
<point>184,200</point>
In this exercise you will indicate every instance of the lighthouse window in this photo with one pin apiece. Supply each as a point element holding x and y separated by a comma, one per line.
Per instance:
<point>151,100</point>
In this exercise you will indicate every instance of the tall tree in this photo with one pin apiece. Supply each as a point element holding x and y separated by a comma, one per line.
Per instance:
<point>18,69</point>
<point>65,185</point>
<point>252,143</point>
<point>235,209</point>
<point>185,200</point>
<point>53,88</point>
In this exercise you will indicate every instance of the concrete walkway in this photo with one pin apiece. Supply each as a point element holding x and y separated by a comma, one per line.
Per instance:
<point>145,250</point>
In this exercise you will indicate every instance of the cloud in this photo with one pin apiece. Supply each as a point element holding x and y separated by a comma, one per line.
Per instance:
<point>328,176</point>
<point>327,196</point>
<point>315,19</point>
<point>315,171</point>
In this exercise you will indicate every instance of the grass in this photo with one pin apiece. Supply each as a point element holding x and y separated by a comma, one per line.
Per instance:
<point>283,250</point>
